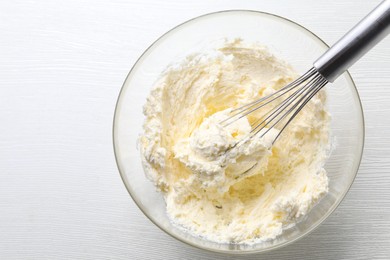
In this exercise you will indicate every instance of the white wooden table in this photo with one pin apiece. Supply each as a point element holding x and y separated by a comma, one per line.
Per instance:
<point>62,64</point>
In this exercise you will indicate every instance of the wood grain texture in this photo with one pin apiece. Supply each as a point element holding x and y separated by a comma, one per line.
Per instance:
<point>62,64</point>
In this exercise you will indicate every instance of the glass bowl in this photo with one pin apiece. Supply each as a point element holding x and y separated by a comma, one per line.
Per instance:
<point>287,40</point>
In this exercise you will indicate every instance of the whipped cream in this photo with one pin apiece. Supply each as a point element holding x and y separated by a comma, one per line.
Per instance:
<point>217,182</point>
<point>220,154</point>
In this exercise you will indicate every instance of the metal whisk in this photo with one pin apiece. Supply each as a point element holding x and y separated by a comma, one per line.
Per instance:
<point>293,97</point>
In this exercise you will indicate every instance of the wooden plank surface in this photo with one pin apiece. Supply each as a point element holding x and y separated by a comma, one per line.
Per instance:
<point>62,64</point>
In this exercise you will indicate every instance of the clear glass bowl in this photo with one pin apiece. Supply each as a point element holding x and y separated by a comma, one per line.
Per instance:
<point>287,40</point>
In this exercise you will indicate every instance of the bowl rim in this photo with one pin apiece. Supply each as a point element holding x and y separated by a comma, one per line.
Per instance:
<point>249,251</point>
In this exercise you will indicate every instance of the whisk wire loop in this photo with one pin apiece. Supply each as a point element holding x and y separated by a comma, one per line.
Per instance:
<point>305,87</point>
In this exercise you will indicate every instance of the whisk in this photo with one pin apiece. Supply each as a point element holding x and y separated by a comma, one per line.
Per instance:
<point>292,98</point>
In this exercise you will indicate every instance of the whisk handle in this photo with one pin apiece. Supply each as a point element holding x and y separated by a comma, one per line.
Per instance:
<point>357,42</point>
